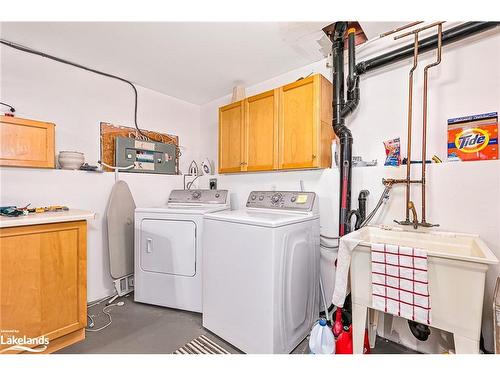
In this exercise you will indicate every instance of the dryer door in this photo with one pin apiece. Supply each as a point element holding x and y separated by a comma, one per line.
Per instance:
<point>168,246</point>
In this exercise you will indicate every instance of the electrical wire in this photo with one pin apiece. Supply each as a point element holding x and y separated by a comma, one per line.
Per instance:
<point>190,183</point>
<point>99,301</point>
<point>329,238</point>
<point>328,246</point>
<point>11,108</point>
<point>108,314</point>
<point>67,62</point>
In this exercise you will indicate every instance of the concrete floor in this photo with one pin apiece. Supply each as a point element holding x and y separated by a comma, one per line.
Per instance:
<point>145,329</point>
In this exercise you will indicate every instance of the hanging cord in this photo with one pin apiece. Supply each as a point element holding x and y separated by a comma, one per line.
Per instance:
<point>383,199</point>
<point>42,54</point>
<point>11,108</point>
<point>190,183</point>
<point>324,245</point>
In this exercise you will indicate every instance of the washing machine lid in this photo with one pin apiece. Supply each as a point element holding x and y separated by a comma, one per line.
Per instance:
<point>265,218</point>
<point>186,209</point>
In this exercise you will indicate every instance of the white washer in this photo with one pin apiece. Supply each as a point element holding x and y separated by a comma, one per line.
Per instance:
<point>168,248</point>
<point>261,271</point>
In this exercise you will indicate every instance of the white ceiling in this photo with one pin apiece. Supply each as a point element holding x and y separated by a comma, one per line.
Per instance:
<point>193,61</point>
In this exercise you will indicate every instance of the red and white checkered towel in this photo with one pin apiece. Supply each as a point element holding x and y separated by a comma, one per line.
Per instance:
<point>399,282</point>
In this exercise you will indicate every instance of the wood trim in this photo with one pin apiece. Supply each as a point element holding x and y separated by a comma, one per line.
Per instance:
<point>67,340</point>
<point>281,130</point>
<point>244,136</point>
<point>25,121</point>
<point>276,128</point>
<point>301,82</point>
<point>59,343</point>
<point>316,133</point>
<point>327,136</point>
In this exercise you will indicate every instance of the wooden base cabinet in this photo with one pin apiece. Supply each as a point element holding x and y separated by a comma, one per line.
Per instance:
<point>43,283</point>
<point>286,128</point>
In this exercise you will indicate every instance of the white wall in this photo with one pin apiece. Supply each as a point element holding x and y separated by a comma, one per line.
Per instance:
<point>77,101</point>
<point>461,196</point>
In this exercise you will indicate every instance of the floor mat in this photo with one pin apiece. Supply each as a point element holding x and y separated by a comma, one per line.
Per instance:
<point>201,345</point>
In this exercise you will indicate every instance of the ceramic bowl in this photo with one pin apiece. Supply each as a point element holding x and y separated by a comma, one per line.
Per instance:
<point>71,159</point>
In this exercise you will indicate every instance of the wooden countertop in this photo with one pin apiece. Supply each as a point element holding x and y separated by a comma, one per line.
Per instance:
<point>45,218</point>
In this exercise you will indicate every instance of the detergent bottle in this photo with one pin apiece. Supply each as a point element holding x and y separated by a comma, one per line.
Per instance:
<point>321,340</point>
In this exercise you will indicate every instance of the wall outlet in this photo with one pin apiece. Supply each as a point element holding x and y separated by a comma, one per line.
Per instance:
<point>212,183</point>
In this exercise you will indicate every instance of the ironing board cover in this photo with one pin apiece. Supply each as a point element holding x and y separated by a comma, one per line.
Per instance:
<point>120,221</point>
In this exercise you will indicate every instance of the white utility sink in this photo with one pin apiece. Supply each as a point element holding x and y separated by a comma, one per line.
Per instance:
<point>457,265</point>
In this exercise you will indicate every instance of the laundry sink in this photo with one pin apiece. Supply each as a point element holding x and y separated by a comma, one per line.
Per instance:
<point>450,245</point>
<point>457,265</point>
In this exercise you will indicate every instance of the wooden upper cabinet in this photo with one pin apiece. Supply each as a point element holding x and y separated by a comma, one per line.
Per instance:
<point>231,137</point>
<point>286,128</point>
<point>26,143</point>
<point>261,132</point>
<point>305,129</point>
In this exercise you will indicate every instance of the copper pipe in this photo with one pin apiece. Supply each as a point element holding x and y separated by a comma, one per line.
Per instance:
<point>424,119</point>
<point>401,28</point>
<point>416,31</point>
<point>392,181</point>
<point>410,114</point>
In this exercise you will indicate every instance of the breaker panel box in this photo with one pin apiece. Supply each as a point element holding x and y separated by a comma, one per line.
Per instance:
<point>146,156</point>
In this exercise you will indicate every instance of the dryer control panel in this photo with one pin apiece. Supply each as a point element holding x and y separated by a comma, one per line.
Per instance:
<point>285,200</point>
<point>200,196</point>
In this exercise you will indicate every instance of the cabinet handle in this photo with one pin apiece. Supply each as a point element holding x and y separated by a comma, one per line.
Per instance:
<point>149,245</point>
<point>314,156</point>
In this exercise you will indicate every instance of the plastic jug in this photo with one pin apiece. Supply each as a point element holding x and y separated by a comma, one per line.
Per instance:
<point>321,340</point>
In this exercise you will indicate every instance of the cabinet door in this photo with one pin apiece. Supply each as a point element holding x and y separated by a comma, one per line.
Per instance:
<point>298,124</point>
<point>26,143</point>
<point>261,131</point>
<point>231,138</point>
<point>43,280</point>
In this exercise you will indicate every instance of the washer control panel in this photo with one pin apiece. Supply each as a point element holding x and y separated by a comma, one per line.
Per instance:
<point>285,200</point>
<point>200,196</point>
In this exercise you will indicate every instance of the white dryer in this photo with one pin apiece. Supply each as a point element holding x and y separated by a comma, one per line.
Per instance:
<point>261,271</point>
<point>168,248</point>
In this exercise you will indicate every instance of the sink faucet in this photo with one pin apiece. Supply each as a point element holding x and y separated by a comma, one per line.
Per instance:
<point>411,206</point>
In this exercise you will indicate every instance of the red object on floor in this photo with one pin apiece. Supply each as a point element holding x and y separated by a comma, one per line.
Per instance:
<point>343,345</point>
<point>338,327</point>
<point>366,345</point>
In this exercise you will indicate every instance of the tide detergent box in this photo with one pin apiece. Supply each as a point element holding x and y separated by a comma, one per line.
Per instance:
<point>473,137</point>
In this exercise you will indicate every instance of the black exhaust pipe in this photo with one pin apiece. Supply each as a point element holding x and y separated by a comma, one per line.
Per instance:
<point>451,35</point>
<point>341,108</point>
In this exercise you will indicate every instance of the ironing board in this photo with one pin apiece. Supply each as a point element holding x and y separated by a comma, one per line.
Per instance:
<point>120,221</point>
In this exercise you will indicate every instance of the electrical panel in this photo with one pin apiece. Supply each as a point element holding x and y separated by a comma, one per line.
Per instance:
<point>145,156</point>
